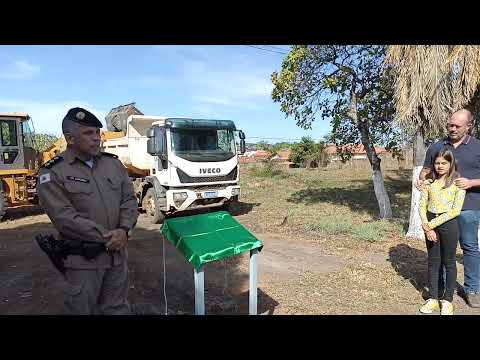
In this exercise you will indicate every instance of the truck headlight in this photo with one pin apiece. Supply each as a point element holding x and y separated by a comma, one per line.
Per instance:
<point>235,191</point>
<point>180,196</point>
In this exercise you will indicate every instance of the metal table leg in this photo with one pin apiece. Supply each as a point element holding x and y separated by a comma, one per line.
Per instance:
<point>252,302</point>
<point>199,292</point>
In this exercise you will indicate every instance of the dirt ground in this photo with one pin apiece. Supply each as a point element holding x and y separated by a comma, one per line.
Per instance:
<point>297,273</point>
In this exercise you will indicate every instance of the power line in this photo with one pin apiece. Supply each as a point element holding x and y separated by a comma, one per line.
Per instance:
<point>276,47</point>
<point>270,138</point>
<point>273,51</point>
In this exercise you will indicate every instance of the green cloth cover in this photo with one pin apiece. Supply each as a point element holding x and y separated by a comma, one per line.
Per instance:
<point>208,237</point>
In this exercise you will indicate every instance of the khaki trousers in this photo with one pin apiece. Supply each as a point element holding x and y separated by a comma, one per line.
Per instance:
<point>97,291</point>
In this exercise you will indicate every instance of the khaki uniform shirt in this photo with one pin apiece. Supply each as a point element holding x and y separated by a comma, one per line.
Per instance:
<point>84,203</point>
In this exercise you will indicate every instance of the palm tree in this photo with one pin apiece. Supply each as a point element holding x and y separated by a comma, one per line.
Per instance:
<point>431,82</point>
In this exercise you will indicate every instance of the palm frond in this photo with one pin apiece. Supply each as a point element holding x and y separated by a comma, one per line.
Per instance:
<point>435,79</point>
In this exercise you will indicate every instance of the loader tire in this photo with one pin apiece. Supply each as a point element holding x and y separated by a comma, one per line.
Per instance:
<point>3,204</point>
<point>150,205</point>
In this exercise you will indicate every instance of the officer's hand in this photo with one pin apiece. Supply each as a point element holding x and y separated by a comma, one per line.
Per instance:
<point>419,184</point>
<point>117,239</point>
<point>463,183</point>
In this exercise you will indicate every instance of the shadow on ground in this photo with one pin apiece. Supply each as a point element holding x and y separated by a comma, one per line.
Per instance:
<point>359,198</point>
<point>242,208</point>
<point>226,281</point>
<point>411,264</point>
<point>20,212</point>
<point>31,285</point>
<point>235,209</point>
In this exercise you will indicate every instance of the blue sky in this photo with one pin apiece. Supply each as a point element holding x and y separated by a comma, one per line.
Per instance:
<point>223,82</point>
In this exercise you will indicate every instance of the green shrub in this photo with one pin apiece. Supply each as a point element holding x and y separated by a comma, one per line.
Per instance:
<point>268,169</point>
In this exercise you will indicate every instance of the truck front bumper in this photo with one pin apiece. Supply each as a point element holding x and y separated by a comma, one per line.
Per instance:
<point>189,199</point>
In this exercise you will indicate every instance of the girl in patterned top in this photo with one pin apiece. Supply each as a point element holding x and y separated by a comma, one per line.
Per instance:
<point>440,203</point>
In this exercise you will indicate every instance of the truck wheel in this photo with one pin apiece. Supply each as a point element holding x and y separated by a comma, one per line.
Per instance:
<point>3,205</point>
<point>151,209</point>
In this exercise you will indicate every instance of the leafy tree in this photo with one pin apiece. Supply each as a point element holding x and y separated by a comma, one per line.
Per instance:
<point>347,85</point>
<point>283,145</point>
<point>41,141</point>
<point>263,145</point>
<point>273,149</point>
<point>307,151</point>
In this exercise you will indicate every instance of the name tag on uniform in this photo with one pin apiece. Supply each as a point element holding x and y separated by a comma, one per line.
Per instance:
<point>73,178</point>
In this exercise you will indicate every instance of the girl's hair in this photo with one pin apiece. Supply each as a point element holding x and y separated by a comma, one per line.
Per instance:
<point>452,173</point>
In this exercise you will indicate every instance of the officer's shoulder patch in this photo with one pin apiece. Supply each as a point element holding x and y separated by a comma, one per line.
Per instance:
<point>109,154</point>
<point>52,162</point>
<point>44,178</point>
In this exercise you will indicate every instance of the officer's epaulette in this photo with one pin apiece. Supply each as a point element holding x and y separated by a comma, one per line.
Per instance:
<point>53,161</point>
<point>109,154</point>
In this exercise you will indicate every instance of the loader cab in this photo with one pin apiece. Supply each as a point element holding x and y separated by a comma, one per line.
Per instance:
<point>16,142</point>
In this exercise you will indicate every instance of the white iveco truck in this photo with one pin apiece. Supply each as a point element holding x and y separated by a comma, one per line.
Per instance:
<point>179,164</point>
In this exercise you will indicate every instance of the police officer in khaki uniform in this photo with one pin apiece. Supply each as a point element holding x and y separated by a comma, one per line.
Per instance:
<point>88,196</point>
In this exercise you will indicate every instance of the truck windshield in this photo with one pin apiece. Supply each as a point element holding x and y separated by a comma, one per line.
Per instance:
<point>203,145</point>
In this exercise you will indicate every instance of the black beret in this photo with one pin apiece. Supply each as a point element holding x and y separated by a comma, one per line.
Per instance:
<point>83,117</point>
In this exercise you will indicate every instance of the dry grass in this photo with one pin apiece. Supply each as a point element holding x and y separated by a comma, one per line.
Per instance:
<point>335,202</point>
<point>366,285</point>
<point>336,211</point>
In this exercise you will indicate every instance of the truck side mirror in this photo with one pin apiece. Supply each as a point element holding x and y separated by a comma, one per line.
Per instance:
<point>241,135</point>
<point>151,142</point>
<point>242,147</point>
<point>156,143</point>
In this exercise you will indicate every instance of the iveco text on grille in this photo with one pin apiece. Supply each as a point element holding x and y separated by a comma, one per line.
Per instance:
<point>210,171</point>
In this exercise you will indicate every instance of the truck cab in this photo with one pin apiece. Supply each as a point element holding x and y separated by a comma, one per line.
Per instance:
<point>179,164</point>
<point>195,162</point>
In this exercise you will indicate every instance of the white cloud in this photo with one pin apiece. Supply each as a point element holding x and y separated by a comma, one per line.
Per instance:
<point>47,117</point>
<point>19,70</point>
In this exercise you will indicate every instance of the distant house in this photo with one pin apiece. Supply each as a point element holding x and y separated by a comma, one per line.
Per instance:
<point>358,151</point>
<point>283,155</point>
<point>261,155</point>
<point>244,159</point>
<point>359,159</point>
<point>253,156</point>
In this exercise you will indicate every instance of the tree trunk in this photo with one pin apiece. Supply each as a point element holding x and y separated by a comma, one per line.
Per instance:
<point>381,194</point>
<point>378,183</point>
<point>415,224</point>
